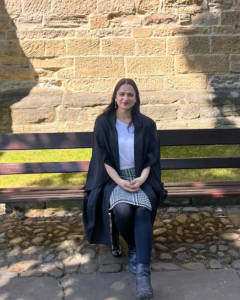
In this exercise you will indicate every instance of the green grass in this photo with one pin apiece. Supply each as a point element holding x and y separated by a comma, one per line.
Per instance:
<point>85,154</point>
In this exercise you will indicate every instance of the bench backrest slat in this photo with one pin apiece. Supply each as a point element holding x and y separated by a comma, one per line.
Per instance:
<point>72,167</point>
<point>85,139</point>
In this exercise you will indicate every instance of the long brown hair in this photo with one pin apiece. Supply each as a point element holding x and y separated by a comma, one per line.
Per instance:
<point>135,112</point>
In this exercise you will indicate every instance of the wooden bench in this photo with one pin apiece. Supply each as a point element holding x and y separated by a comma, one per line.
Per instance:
<point>84,140</point>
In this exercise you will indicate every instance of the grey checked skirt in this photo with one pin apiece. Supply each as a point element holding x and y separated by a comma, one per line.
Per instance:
<point>119,195</point>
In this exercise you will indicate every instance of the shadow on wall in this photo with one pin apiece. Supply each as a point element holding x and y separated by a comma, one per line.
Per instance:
<point>212,59</point>
<point>16,75</point>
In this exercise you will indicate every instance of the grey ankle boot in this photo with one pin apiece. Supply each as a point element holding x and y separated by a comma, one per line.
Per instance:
<point>143,282</point>
<point>132,259</point>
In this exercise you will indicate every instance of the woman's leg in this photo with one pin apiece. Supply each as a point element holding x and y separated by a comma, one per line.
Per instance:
<point>143,234</point>
<point>124,219</point>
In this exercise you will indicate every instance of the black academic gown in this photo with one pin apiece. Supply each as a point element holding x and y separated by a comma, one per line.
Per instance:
<point>99,185</point>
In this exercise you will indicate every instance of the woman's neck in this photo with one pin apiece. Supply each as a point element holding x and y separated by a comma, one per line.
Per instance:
<point>124,116</point>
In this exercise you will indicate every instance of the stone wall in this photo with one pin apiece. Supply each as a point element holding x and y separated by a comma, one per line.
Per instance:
<point>60,60</point>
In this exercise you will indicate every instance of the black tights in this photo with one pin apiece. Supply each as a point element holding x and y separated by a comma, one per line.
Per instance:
<point>135,226</point>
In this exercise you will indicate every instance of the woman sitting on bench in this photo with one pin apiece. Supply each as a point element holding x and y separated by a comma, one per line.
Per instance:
<point>124,176</point>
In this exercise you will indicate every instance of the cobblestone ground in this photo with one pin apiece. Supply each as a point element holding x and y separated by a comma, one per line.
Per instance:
<point>53,243</point>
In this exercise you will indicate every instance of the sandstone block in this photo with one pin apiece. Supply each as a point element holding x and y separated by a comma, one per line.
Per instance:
<point>151,46</point>
<point>179,30</point>
<point>5,117</point>
<point>184,19</point>
<point>118,46</point>
<point>83,46</point>
<point>11,7</point>
<point>235,57</point>
<point>99,67</point>
<point>225,44</point>
<point>2,35</point>
<point>149,83</point>
<point>160,112</point>
<point>27,22</point>
<point>55,48</point>
<point>67,73</point>
<point>92,85</point>
<point>39,6</point>
<point>160,19</point>
<point>146,66</point>
<point>104,32</point>
<point>116,6</point>
<point>79,127</point>
<point>10,48</point>
<point>64,21</point>
<point>126,21</point>
<point>98,21</point>
<point>142,32</point>
<point>41,73</point>
<point>45,34</point>
<point>72,114</point>
<point>10,73</point>
<point>230,18</point>
<point>213,112</point>
<point>31,99</point>
<point>39,128</point>
<point>190,112</point>
<point>227,29</point>
<point>202,64</point>
<point>33,48</point>
<point>172,124</point>
<point>93,112</point>
<point>74,7</point>
<point>235,67</point>
<point>190,45</point>
<point>31,116</point>
<point>77,100</point>
<point>205,19</point>
<point>225,82</point>
<point>144,6</point>
<point>162,97</point>
<point>54,63</point>
<point>185,82</point>
<point>4,22</point>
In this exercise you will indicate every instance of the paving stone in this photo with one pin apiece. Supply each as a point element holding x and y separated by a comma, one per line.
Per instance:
<point>194,266</point>
<point>115,268</point>
<point>222,248</point>
<point>88,268</point>
<point>213,248</point>
<point>190,209</point>
<point>183,257</point>
<point>235,244</point>
<point>198,246</point>
<point>225,221</point>
<point>220,254</point>
<point>236,264</point>
<point>195,217</point>
<point>194,251</point>
<point>89,252</point>
<point>233,253</point>
<point>181,249</point>
<point>159,231</point>
<point>32,273</point>
<point>37,241</point>
<point>172,210</point>
<point>165,256</point>
<point>17,240</point>
<point>215,264</point>
<point>161,247</point>
<point>230,236</point>
<point>181,218</point>
<point>160,239</point>
<point>206,208</point>
<point>8,274</point>
<point>157,267</point>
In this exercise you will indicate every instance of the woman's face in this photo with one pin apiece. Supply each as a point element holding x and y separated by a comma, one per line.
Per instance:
<point>126,97</point>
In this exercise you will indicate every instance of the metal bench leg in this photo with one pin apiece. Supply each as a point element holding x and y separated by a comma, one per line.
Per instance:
<point>190,201</point>
<point>116,248</point>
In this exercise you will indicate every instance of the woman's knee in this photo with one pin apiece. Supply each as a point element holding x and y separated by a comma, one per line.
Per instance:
<point>143,213</point>
<point>123,211</point>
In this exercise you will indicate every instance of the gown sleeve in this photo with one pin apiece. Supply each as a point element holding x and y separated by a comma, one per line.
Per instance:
<point>153,148</point>
<point>101,154</point>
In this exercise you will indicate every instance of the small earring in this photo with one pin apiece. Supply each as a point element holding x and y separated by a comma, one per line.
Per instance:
<point>115,104</point>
